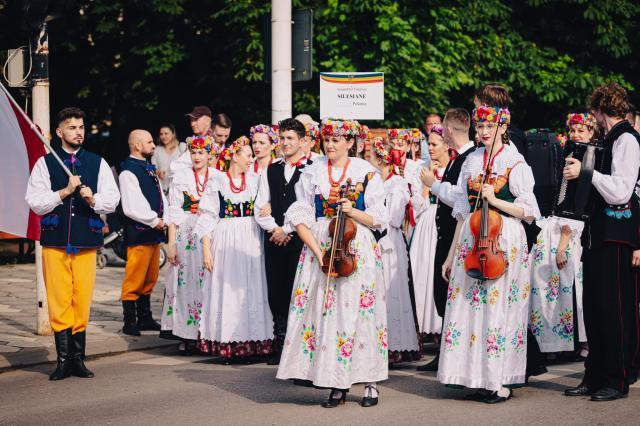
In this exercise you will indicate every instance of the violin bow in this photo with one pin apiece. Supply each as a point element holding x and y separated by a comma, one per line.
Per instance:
<point>486,170</point>
<point>333,252</point>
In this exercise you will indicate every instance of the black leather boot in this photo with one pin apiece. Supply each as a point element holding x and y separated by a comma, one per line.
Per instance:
<point>145,317</point>
<point>130,326</point>
<point>280,331</point>
<point>63,368</point>
<point>78,368</point>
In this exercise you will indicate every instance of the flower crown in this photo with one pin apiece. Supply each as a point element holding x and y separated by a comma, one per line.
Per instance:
<point>363,136</point>
<point>417,136</point>
<point>404,134</point>
<point>380,149</point>
<point>491,114</point>
<point>200,142</point>
<point>267,130</point>
<point>561,138</point>
<point>346,128</point>
<point>582,118</point>
<point>312,131</point>
<point>438,130</point>
<point>224,159</point>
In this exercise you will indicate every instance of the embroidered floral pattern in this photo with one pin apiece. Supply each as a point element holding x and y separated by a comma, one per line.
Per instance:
<point>552,290</point>
<point>181,281</point>
<point>564,328</point>
<point>367,300</point>
<point>330,306</point>
<point>299,300</point>
<point>472,340</point>
<point>495,343</point>
<point>519,340</point>
<point>378,255</point>
<point>309,341</point>
<point>539,256</point>
<point>525,291</point>
<point>476,295</point>
<point>514,289</point>
<point>513,254</point>
<point>535,323</point>
<point>201,274</point>
<point>242,209</point>
<point>494,295</point>
<point>452,294</point>
<point>195,312</point>
<point>344,348</point>
<point>451,337</point>
<point>383,343</point>
<point>192,242</point>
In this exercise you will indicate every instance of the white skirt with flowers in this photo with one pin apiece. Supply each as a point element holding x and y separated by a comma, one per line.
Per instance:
<point>345,343</point>
<point>484,337</point>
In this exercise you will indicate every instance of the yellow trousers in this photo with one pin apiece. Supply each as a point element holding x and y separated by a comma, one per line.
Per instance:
<point>69,279</point>
<point>141,272</point>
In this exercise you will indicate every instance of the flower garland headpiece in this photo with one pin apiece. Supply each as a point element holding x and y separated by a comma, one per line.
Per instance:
<point>312,131</point>
<point>346,128</point>
<point>491,114</point>
<point>562,139</point>
<point>417,136</point>
<point>363,136</point>
<point>404,134</point>
<point>224,159</point>
<point>380,149</point>
<point>583,118</point>
<point>200,142</point>
<point>438,130</point>
<point>267,130</point>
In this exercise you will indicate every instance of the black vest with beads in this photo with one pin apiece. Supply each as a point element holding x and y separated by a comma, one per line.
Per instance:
<point>615,223</point>
<point>136,233</point>
<point>73,224</point>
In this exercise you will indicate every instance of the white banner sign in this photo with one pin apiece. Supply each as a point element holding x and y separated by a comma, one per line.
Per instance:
<point>352,95</point>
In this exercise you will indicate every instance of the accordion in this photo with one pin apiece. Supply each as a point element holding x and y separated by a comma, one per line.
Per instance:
<point>575,199</point>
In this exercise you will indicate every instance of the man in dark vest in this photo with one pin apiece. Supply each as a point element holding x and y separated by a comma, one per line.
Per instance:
<point>281,244</point>
<point>611,235</point>
<point>456,134</point>
<point>71,233</point>
<point>143,204</point>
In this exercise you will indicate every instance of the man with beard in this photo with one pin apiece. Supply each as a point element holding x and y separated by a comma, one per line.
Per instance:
<point>70,207</point>
<point>143,204</point>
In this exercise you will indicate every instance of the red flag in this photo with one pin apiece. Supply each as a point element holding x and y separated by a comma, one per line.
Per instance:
<point>20,148</point>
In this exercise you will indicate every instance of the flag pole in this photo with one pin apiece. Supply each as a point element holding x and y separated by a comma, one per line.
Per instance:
<point>36,130</point>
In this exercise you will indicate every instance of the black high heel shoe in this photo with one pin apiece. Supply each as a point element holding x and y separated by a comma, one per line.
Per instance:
<point>333,400</point>
<point>369,401</point>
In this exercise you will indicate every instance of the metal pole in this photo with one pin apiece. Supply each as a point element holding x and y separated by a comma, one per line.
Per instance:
<point>40,112</point>
<point>281,94</point>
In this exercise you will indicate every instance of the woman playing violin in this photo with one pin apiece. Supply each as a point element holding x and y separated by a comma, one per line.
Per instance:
<point>484,335</point>
<point>337,326</point>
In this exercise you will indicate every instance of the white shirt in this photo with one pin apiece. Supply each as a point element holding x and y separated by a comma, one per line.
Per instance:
<point>617,187</point>
<point>43,200</point>
<point>162,159</point>
<point>268,223</point>
<point>134,204</point>
<point>445,191</point>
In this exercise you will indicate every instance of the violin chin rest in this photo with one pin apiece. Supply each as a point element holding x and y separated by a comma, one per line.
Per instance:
<point>475,274</point>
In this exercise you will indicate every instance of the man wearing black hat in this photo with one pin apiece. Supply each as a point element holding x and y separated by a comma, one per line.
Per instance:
<point>200,121</point>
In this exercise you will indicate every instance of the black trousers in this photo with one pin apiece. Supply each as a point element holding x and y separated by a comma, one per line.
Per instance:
<point>281,264</point>
<point>440,286</point>
<point>611,317</point>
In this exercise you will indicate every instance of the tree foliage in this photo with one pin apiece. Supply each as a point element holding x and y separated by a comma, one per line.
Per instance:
<point>134,63</point>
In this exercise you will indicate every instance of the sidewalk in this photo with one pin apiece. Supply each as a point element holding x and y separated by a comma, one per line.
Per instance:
<point>21,347</point>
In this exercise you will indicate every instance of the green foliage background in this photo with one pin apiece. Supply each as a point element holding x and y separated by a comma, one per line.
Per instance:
<point>136,63</point>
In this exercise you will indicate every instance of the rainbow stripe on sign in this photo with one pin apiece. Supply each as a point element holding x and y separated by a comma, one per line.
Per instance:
<point>352,78</point>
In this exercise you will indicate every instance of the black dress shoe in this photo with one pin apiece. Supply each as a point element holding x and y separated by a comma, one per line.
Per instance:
<point>274,359</point>
<point>334,400</point>
<point>581,390</point>
<point>430,366</point>
<point>479,395</point>
<point>607,394</point>
<point>494,398</point>
<point>369,401</point>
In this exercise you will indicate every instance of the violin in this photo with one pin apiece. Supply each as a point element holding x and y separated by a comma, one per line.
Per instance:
<point>339,260</point>
<point>486,260</point>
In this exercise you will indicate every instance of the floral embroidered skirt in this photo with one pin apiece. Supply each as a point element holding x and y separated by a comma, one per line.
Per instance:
<point>551,313</point>
<point>345,341</point>
<point>484,340</point>
<point>182,309</point>
<point>401,323</point>
<point>236,320</point>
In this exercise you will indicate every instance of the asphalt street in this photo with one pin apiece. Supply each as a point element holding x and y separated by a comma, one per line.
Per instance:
<point>158,387</point>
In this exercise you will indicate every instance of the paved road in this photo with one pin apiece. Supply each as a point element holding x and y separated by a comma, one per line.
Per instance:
<point>157,387</point>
